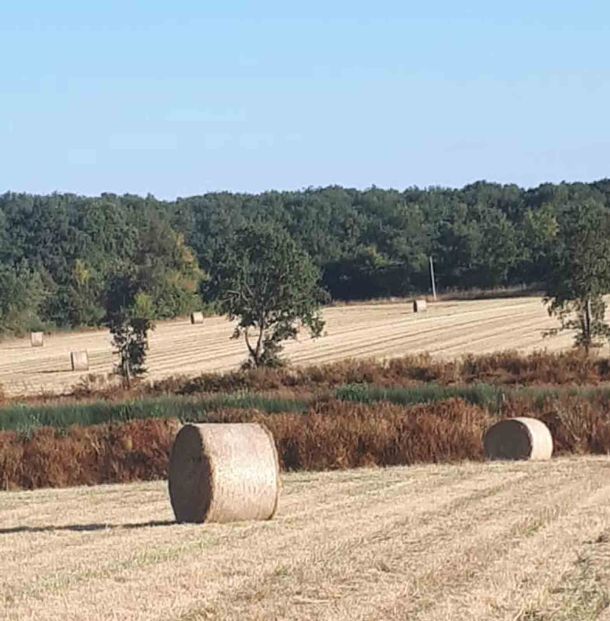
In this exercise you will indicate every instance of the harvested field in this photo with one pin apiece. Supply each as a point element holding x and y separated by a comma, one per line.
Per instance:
<point>499,541</point>
<point>447,329</point>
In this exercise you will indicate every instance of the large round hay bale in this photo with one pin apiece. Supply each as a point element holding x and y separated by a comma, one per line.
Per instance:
<point>37,339</point>
<point>420,306</point>
<point>518,438</point>
<point>79,360</point>
<point>196,317</point>
<point>223,472</point>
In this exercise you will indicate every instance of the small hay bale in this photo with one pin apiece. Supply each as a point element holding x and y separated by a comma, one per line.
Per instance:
<point>197,317</point>
<point>420,306</point>
<point>37,339</point>
<point>518,438</point>
<point>223,472</point>
<point>79,360</point>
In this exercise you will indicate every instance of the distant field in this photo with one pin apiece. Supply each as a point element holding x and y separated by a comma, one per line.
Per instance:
<point>514,542</point>
<point>448,329</point>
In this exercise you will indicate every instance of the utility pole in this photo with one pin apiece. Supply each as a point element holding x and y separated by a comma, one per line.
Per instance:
<point>432,279</point>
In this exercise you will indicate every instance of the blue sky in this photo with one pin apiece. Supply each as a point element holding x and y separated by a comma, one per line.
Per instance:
<point>180,98</point>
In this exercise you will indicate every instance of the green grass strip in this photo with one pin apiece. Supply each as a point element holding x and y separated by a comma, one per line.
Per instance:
<point>26,418</point>
<point>488,396</point>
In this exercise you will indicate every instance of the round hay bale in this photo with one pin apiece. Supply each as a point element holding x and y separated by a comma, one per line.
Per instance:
<point>518,438</point>
<point>196,317</point>
<point>420,306</point>
<point>37,339</point>
<point>79,360</point>
<point>224,472</point>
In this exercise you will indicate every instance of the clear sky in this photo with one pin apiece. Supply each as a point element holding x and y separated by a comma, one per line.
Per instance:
<point>184,97</point>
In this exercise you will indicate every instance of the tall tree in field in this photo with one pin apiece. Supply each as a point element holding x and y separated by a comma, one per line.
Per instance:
<point>580,272</point>
<point>266,282</point>
<point>129,317</point>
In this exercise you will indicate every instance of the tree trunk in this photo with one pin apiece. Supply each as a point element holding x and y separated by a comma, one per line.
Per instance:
<point>259,343</point>
<point>250,348</point>
<point>255,352</point>
<point>587,326</point>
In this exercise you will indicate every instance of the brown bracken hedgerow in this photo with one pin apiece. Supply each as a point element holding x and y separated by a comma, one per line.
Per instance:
<point>577,425</point>
<point>331,435</point>
<point>116,453</point>
<point>505,368</point>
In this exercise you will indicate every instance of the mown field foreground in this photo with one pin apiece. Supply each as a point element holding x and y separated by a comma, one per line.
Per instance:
<point>506,541</point>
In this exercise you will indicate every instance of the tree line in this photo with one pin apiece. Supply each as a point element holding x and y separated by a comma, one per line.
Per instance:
<point>69,261</point>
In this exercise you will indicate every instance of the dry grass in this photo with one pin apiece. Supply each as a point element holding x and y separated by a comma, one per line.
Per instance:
<point>330,435</point>
<point>133,451</point>
<point>502,369</point>
<point>469,542</point>
<point>447,330</point>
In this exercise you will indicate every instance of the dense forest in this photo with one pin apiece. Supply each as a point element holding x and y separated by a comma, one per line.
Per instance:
<point>58,252</point>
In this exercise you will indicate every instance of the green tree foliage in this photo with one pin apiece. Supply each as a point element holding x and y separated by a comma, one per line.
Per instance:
<point>21,294</point>
<point>498,250</point>
<point>580,272</point>
<point>540,227</point>
<point>160,281</point>
<point>81,295</point>
<point>129,317</point>
<point>168,269</point>
<point>268,285</point>
<point>370,243</point>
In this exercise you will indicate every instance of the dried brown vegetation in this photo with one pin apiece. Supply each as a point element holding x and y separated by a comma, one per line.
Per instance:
<point>404,371</point>
<point>136,450</point>
<point>578,426</point>
<point>504,368</point>
<point>332,435</point>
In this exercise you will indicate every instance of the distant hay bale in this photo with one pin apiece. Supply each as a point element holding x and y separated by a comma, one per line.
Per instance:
<point>518,438</point>
<point>197,317</point>
<point>223,472</point>
<point>79,360</point>
<point>37,339</point>
<point>420,306</point>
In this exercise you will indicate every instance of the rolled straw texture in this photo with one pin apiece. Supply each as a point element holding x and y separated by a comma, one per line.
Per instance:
<point>224,472</point>
<point>79,360</point>
<point>197,317</point>
<point>420,306</point>
<point>518,438</point>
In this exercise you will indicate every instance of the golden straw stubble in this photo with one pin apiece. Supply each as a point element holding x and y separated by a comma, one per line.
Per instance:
<point>224,472</point>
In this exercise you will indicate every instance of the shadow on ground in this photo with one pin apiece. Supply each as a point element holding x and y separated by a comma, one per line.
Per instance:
<point>80,528</point>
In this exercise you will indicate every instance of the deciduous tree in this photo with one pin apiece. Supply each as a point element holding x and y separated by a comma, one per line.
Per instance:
<point>270,286</point>
<point>580,272</point>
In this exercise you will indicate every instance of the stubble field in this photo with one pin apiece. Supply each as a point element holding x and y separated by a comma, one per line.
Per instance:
<point>506,541</point>
<point>448,329</point>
